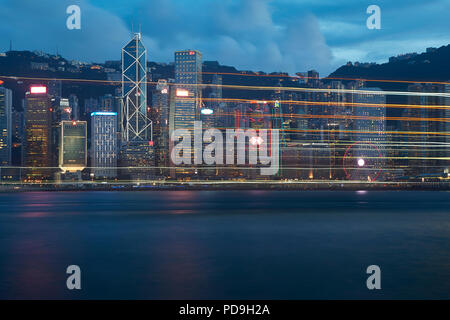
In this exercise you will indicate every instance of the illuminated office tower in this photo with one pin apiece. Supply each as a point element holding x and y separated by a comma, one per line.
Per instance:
<point>137,160</point>
<point>426,149</point>
<point>186,104</point>
<point>107,103</point>
<point>160,119</point>
<point>104,146</point>
<point>64,110</point>
<point>134,120</point>
<point>369,131</point>
<point>75,106</point>
<point>54,88</point>
<point>73,146</point>
<point>136,150</point>
<point>38,141</point>
<point>188,79</point>
<point>447,127</point>
<point>214,115</point>
<point>5,126</point>
<point>370,111</point>
<point>91,105</point>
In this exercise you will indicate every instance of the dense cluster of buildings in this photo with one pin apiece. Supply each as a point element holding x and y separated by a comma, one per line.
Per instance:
<point>329,130</point>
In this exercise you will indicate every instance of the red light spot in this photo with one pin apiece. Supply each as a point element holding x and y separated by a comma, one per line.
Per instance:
<point>38,89</point>
<point>191,53</point>
<point>150,143</point>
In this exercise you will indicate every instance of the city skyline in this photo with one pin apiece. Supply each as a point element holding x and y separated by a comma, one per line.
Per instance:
<point>330,128</point>
<point>224,149</point>
<point>281,35</point>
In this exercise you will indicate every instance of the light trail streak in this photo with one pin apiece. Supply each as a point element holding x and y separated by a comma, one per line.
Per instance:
<point>324,78</point>
<point>256,88</point>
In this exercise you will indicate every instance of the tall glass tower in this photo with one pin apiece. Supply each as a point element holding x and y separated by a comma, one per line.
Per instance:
<point>136,149</point>
<point>38,132</point>
<point>188,78</point>
<point>5,126</point>
<point>134,120</point>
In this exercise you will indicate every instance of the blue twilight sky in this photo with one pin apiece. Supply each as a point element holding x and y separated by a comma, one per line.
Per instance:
<point>267,35</point>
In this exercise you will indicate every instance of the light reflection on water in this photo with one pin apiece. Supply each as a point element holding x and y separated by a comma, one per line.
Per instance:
<point>225,245</point>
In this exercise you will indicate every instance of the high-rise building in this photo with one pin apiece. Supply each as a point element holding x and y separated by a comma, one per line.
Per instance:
<point>369,134</point>
<point>447,127</point>
<point>137,160</point>
<point>18,126</point>
<point>136,149</point>
<point>370,112</point>
<point>134,120</point>
<point>188,95</point>
<point>55,88</point>
<point>38,141</point>
<point>425,150</point>
<point>75,106</point>
<point>107,103</point>
<point>104,145</point>
<point>64,110</point>
<point>160,118</point>
<point>90,105</point>
<point>5,126</point>
<point>73,146</point>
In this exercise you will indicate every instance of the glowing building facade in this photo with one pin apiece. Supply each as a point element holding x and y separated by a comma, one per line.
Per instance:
<point>73,146</point>
<point>38,141</point>
<point>188,95</point>
<point>104,146</point>
<point>134,120</point>
<point>5,126</point>
<point>136,149</point>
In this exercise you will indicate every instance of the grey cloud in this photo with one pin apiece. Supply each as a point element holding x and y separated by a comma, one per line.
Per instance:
<point>244,33</point>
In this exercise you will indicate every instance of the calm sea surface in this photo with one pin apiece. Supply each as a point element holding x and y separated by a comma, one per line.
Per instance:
<point>225,244</point>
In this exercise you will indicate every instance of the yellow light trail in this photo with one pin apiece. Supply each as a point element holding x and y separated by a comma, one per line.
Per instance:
<point>257,88</point>
<point>324,78</point>
<point>331,103</point>
<point>342,117</point>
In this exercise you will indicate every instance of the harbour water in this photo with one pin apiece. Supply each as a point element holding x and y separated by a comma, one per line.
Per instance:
<point>225,244</point>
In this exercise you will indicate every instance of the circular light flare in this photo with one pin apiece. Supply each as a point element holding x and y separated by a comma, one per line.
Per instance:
<point>361,162</point>
<point>256,141</point>
<point>379,155</point>
<point>207,111</point>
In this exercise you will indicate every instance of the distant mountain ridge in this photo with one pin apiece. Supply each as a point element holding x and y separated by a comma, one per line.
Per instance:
<point>432,65</point>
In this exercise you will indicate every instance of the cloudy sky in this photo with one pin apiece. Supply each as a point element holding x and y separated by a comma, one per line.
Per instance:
<point>267,35</point>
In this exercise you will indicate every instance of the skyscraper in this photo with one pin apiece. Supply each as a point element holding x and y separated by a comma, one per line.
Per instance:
<point>370,124</point>
<point>160,118</point>
<point>369,133</point>
<point>425,151</point>
<point>188,79</point>
<point>64,110</point>
<point>107,103</point>
<point>73,146</point>
<point>447,127</point>
<point>134,120</point>
<point>75,106</point>
<point>5,126</point>
<point>136,149</point>
<point>38,142</point>
<point>104,144</point>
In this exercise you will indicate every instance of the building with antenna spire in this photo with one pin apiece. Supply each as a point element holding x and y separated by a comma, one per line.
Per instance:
<point>137,153</point>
